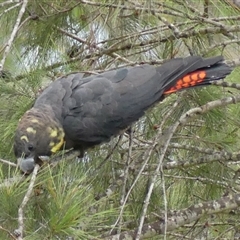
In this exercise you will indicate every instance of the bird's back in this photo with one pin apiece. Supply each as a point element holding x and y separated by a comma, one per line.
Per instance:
<point>94,108</point>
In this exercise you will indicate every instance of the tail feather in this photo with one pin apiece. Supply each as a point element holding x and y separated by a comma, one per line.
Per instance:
<point>212,61</point>
<point>205,72</point>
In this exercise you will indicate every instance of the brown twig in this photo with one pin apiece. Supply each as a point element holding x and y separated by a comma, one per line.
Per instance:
<point>8,232</point>
<point>181,217</point>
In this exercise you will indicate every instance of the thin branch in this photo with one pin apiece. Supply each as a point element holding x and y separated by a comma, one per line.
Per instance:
<point>9,2</point>
<point>215,156</point>
<point>219,44</point>
<point>13,34</point>
<point>134,8</point>
<point>179,218</point>
<point>8,163</point>
<point>8,232</point>
<point>9,9</point>
<point>20,231</point>
<point>75,37</point>
<point>125,179</point>
<point>165,139</point>
<point>226,84</point>
<point>204,150</point>
<point>207,181</point>
<point>146,157</point>
<point>164,198</point>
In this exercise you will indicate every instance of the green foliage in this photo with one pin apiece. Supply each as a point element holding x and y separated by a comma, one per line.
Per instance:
<point>69,200</point>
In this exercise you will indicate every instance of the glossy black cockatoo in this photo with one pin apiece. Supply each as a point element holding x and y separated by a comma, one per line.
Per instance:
<point>80,112</point>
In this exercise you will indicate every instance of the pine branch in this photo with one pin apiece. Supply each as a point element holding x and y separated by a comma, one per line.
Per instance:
<point>13,34</point>
<point>179,218</point>
<point>19,233</point>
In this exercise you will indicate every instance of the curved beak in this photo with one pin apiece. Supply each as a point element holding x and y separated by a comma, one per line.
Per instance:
<point>27,164</point>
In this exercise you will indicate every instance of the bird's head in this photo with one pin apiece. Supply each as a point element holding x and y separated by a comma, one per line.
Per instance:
<point>38,136</point>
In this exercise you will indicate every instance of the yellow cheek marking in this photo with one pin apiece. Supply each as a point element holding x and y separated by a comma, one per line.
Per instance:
<point>34,121</point>
<point>31,130</point>
<point>58,146</point>
<point>51,144</point>
<point>53,133</point>
<point>24,138</point>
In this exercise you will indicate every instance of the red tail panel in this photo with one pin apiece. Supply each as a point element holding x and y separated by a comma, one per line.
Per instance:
<point>190,80</point>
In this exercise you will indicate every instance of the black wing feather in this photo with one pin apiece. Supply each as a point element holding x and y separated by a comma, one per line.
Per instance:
<point>94,108</point>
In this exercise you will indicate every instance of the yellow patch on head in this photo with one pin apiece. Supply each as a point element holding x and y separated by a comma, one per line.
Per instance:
<point>34,121</point>
<point>31,130</point>
<point>57,146</point>
<point>24,138</point>
<point>53,133</point>
<point>58,142</point>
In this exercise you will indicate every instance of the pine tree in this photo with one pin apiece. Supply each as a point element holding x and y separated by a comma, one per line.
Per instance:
<point>175,174</point>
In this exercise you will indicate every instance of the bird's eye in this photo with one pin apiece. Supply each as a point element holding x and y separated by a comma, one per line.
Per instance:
<point>30,147</point>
